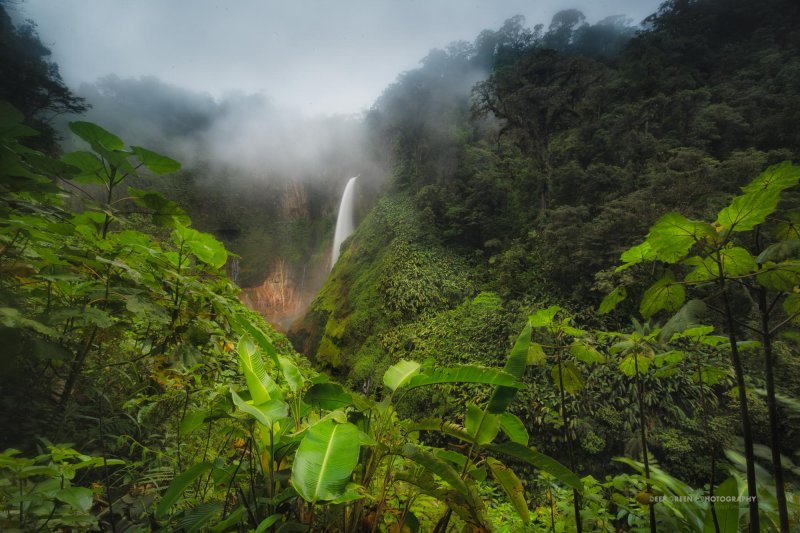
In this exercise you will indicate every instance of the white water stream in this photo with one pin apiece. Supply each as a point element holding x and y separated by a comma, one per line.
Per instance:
<point>344,222</point>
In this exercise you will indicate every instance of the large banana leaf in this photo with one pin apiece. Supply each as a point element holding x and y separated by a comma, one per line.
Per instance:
<point>262,386</point>
<point>325,461</point>
<point>465,374</point>
<point>437,466</point>
<point>540,461</point>
<point>512,487</point>
<point>400,373</point>
<point>267,413</point>
<point>515,365</point>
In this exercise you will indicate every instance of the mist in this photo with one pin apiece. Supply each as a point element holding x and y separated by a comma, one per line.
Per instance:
<point>246,136</point>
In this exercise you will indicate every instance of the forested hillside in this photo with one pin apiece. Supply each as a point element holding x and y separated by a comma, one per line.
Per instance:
<point>573,305</point>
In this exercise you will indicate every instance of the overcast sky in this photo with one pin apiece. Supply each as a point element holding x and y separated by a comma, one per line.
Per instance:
<point>318,56</point>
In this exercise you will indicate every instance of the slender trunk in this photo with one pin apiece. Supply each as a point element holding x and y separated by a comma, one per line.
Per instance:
<point>643,436</point>
<point>744,412</point>
<point>774,429</point>
<point>576,502</point>
<point>75,371</point>
<point>711,447</point>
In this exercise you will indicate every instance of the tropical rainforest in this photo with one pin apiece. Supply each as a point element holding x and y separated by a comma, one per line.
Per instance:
<point>571,303</point>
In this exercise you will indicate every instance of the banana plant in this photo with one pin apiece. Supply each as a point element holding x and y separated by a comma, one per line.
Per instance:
<point>697,255</point>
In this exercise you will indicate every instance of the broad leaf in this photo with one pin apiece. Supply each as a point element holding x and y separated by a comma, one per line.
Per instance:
<point>781,277</point>
<point>780,251</point>
<point>516,363</point>
<point>630,362</point>
<point>664,294</point>
<point>513,427</point>
<point>325,461</point>
<point>788,227</point>
<point>165,212</point>
<point>635,255</point>
<point>91,169</point>
<point>748,210</point>
<point>540,461</point>
<point>264,342</point>
<point>79,498</point>
<point>442,426</point>
<point>570,376</point>
<point>156,163</point>
<point>688,315</point>
<point>203,245</point>
<point>543,318</point>
<point>673,235</point>
<point>328,396</point>
<point>481,425</point>
<point>612,299</point>
<point>177,487</point>
<point>437,466</point>
<point>262,387</point>
<point>465,374</point>
<point>727,511</point>
<point>536,355</point>
<point>400,373</point>
<point>736,261</point>
<point>291,373</point>
<point>266,413</point>
<point>586,353</point>
<point>96,136</point>
<point>775,178</point>
<point>512,487</point>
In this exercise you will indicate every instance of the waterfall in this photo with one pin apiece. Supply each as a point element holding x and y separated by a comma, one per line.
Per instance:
<point>344,222</point>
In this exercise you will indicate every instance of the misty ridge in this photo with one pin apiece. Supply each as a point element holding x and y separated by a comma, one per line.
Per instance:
<point>243,135</point>
<point>250,137</point>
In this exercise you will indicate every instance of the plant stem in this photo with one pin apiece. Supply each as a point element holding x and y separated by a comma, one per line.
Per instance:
<point>643,436</point>
<point>774,430</point>
<point>744,412</point>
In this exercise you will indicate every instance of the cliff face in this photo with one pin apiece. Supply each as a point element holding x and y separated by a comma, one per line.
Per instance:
<point>396,292</point>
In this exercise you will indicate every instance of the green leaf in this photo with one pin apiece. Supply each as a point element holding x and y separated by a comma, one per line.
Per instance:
<point>792,306</point>
<point>543,318</point>
<point>727,512</point>
<point>780,251</point>
<point>513,427</point>
<point>536,355</point>
<point>788,227</point>
<point>96,136</point>
<point>516,363</point>
<point>540,461</point>
<point>156,163</point>
<point>268,522</point>
<point>267,413</point>
<point>91,169</point>
<point>203,245</point>
<point>442,426</point>
<point>264,342</point>
<point>325,461</point>
<point>328,396</point>
<point>570,375</point>
<point>512,487</point>
<point>673,235</point>
<point>465,374</point>
<point>780,277</point>
<point>631,361</point>
<point>775,178</point>
<point>586,353</point>
<point>165,212</point>
<point>436,466</point>
<point>294,378</point>
<point>688,315</point>
<point>736,261</point>
<point>664,294</point>
<point>612,299</point>
<point>482,426</point>
<point>400,373</point>
<point>79,498</point>
<point>262,387</point>
<point>234,518</point>
<point>11,122</point>
<point>748,210</point>
<point>177,487</point>
<point>635,255</point>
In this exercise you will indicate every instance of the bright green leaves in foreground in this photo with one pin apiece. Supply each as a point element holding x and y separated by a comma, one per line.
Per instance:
<point>325,461</point>
<point>717,258</point>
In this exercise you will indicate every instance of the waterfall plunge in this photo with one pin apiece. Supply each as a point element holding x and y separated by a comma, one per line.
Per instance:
<point>344,222</point>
